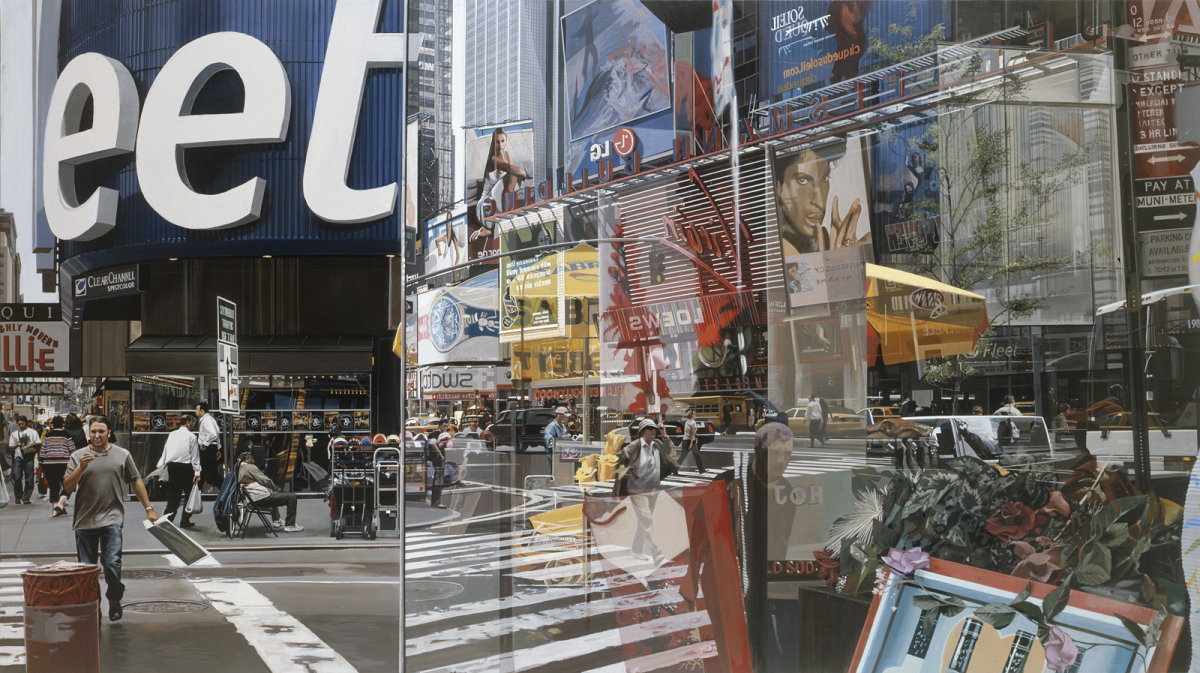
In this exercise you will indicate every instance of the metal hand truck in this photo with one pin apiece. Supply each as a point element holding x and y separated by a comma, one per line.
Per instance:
<point>389,482</point>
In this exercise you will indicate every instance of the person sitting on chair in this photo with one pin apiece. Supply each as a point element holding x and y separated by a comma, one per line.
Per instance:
<point>262,493</point>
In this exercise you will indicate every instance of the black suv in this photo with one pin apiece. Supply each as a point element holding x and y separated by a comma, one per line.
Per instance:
<point>531,425</point>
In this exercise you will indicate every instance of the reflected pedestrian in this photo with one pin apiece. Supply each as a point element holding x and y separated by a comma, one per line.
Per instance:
<point>436,456</point>
<point>824,421</point>
<point>812,413</point>
<point>690,442</point>
<point>646,459</point>
<point>100,473</point>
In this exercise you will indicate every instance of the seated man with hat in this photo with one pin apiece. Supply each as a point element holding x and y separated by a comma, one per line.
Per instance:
<point>262,492</point>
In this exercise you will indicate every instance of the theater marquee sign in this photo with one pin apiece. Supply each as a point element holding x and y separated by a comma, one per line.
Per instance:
<point>34,340</point>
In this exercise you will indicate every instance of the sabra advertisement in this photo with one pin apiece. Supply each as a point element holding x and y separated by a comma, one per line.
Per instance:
<point>446,240</point>
<point>814,43</point>
<point>459,323</point>
<point>824,221</point>
<point>617,65</point>
<point>532,291</point>
<point>499,159</point>
<point>906,185</point>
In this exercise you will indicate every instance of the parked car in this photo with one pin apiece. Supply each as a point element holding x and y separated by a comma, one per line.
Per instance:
<point>1172,447</point>
<point>531,425</point>
<point>880,413</point>
<point>843,421</point>
<point>988,437</point>
<point>1027,408</point>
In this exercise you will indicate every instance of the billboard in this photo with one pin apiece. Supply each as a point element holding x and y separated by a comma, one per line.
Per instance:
<point>499,159</point>
<point>533,309</point>
<point>459,323</point>
<point>823,212</point>
<point>907,189</point>
<point>446,240</point>
<point>34,340</point>
<point>617,65</point>
<point>809,44</point>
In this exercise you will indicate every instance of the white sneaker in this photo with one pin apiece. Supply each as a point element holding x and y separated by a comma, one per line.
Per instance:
<point>293,529</point>
<point>277,524</point>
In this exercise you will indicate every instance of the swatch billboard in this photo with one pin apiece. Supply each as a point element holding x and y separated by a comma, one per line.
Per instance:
<point>459,323</point>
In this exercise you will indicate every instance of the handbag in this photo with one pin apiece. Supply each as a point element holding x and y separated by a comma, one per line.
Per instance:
<point>4,500</point>
<point>195,504</point>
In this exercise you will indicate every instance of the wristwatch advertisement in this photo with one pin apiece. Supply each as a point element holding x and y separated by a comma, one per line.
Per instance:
<point>459,324</point>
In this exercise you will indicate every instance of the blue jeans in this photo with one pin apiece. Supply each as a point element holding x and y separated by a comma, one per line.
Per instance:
<point>22,475</point>
<point>103,544</point>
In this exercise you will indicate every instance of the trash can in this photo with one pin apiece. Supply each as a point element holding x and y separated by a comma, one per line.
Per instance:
<point>62,618</point>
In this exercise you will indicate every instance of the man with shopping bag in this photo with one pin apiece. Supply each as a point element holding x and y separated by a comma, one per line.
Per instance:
<point>181,456</point>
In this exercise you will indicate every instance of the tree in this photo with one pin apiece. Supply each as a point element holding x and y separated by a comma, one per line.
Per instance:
<point>991,194</point>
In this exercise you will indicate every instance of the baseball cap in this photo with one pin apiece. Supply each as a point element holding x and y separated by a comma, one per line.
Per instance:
<point>646,423</point>
<point>444,437</point>
<point>560,410</point>
<point>366,441</point>
<point>339,442</point>
<point>379,439</point>
<point>393,440</point>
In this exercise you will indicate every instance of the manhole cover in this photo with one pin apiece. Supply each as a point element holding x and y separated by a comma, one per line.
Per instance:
<point>430,591</point>
<point>146,574</point>
<point>164,607</point>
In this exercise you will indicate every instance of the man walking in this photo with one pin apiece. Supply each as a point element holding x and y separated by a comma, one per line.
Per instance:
<point>1009,408</point>
<point>57,447</point>
<point>210,447</point>
<point>813,415</point>
<point>689,440</point>
<point>262,492</point>
<point>25,444</point>
<point>181,455</point>
<point>100,473</point>
<point>435,456</point>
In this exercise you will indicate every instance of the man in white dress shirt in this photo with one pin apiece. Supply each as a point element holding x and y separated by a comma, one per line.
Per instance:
<point>210,447</point>
<point>181,455</point>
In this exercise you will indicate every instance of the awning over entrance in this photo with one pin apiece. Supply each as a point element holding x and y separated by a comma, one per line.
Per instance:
<point>193,355</point>
<point>912,317</point>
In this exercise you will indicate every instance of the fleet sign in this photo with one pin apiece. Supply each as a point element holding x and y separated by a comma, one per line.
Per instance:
<point>165,127</point>
<point>34,340</point>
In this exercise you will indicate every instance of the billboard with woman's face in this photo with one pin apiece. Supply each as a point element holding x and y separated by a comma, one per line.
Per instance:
<point>499,159</point>
<point>824,218</point>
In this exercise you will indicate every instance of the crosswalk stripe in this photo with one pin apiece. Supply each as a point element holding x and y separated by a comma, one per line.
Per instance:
<point>282,642</point>
<point>543,655</point>
<point>442,569</point>
<point>537,620</point>
<point>12,655</point>
<point>12,631</point>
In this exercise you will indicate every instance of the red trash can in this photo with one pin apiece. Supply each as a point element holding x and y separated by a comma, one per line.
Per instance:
<point>62,619</point>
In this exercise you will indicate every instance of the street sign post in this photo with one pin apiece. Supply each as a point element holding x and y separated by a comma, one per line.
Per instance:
<point>227,355</point>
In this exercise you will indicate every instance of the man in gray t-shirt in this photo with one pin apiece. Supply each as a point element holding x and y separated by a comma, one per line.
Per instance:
<point>100,473</point>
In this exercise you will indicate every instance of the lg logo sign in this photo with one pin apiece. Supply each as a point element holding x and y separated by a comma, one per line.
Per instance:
<point>167,127</point>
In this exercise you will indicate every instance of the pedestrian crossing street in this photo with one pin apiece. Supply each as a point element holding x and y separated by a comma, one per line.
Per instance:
<point>12,616</point>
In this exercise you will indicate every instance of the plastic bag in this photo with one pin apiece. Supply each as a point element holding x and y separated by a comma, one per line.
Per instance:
<point>195,504</point>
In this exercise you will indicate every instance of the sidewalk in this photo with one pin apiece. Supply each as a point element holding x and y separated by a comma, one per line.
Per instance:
<point>27,529</point>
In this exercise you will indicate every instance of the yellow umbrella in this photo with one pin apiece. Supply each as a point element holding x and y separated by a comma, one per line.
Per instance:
<point>579,271</point>
<point>916,318</point>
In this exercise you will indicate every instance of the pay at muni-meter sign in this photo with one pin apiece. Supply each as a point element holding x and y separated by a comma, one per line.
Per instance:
<point>164,127</point>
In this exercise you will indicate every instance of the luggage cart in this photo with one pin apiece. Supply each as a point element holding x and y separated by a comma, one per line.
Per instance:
<point>389,470</point>
<point>351,495</point>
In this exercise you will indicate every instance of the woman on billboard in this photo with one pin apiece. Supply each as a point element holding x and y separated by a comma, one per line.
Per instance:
<point>500,175</point>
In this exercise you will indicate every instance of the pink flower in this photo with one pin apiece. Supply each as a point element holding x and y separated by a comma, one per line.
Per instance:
<point>906,562</point>
<point>1060,650</point>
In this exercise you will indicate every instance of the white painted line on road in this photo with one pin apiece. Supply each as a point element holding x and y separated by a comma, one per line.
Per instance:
<point>206,562</point>
<point>542,655</point>
<point>533,621</point>
<point>13,612</point>
<point>12,631</point>
<point>528,599</point>
<point>394,583</point>
<point>12,591</point>
<point>12,655</point>
<point>284,644</point>
<point>443,570</point>
<point>15,564</point>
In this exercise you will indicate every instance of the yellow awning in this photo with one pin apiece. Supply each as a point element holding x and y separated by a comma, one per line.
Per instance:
<point>916,318</point>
